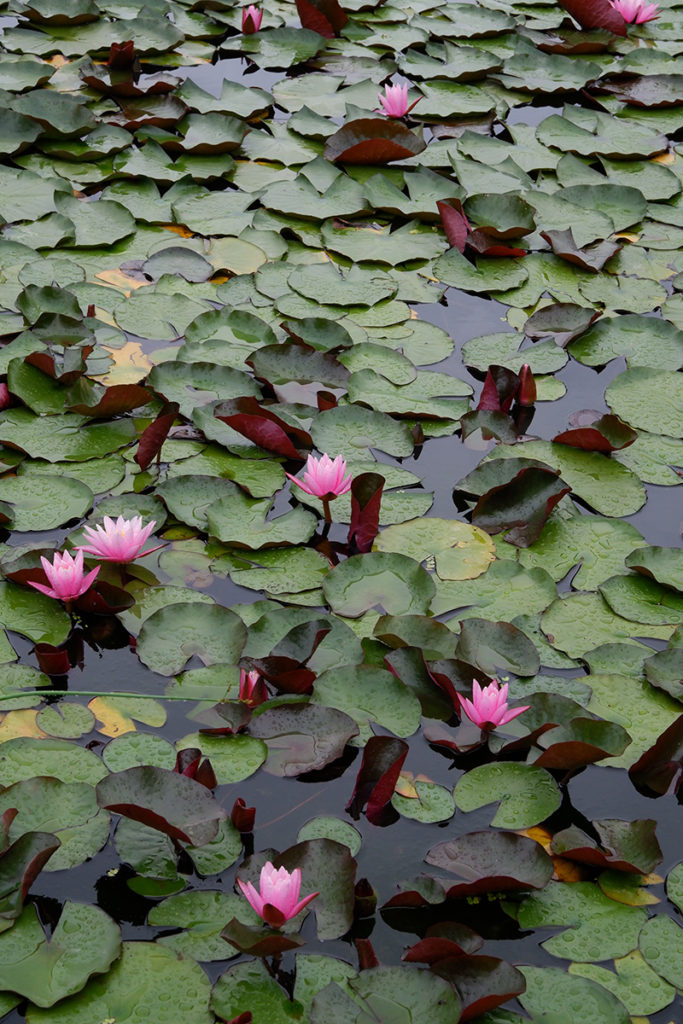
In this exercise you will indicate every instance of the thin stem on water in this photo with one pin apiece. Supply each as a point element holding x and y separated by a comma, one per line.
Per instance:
<point>93,693</point>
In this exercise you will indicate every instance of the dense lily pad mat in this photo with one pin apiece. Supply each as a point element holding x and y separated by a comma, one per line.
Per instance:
<point>218,256</point>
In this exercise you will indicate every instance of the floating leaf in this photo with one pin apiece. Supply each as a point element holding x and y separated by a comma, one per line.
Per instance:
<point>147,979</point>
<point>172,803</point>
<point>492,862</point>
<point>47,970</point>
<point>527,794</point>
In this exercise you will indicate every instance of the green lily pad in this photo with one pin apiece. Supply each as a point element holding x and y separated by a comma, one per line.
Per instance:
<point>600,928</point>
<point>68,810</point>
<point>526,794</point>
<point>203,915</point>
<point>643,600</point>
<point>648,399</point>
<point>32,614</point>
<point>172,635</point>
<point>549,986</point>
<point>148,981</point>
<point>67,436</point>
<point>45,502</point>
<point>393,581</point>
<point>577,623</point>
<point>336,829</point>
<point>596,544</point>
<point>600,481</point>
<point>233,758</point>
<point>645,712</point>
<point>47,970</point>
<point>636,984</point>
<point>368,694</point>
<point>433,803</point>
<point>645,341</point>
<point>661,943</point>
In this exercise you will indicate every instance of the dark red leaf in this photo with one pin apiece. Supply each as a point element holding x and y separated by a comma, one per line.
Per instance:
<point>189,763</point>
<point>455,223</point>
<point>6,819</point>
<point>366,955</point>
<point>253,420</point>
<point>500,387</point>
<point>383,759</point>
<point>326,400</point>
<point>66,367</point>
<point>372,140</point>
<point>242,816</point>
<point>366,499</point>
<point>365,899</point>
<point>259,941</point>
<point>54,661</point>
<point>484,244</point>
<point>660,769</point>
<point>595,14</point>
<point>482,982</point>
<point>605,434</point>
<point>325,17</point>
<point>243,1018</point>
<point>104,599</point>
<point>117,399</point>
<point>153,436</point>
<point>521,506</point>
<point>431,950</point>
<point>629,846</point>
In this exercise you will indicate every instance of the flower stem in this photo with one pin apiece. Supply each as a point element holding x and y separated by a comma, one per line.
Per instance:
<point>92,693</point>
<point>326,510</point>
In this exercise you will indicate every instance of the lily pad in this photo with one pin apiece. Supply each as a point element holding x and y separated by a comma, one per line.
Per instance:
<point>147,979</point>
<point>172,635</point>
<point>527,794</point>
<point>394,582</point>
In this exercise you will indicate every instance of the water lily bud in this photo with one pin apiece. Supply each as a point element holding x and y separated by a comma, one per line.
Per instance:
<point>527,386</point>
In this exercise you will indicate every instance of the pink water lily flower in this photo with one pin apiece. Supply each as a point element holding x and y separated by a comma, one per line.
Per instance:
<point>636,11</point>
<point>489,707</point>
<point>120,541</point>
<point>252,688</point>
<point>251,19</point>
<point>324,477</point>
<point>278,901</point>
<point>65,574</point>
<point>395,100</point>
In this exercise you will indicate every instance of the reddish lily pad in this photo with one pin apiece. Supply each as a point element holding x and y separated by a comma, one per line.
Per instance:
<point>167,801</point>
<point>372,140</point>
<point>492,862</point>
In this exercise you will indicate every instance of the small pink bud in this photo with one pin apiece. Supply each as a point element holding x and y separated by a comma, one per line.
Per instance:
<point>251,19</point>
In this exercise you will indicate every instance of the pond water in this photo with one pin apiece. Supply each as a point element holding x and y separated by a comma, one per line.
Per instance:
<point>236,205</point>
